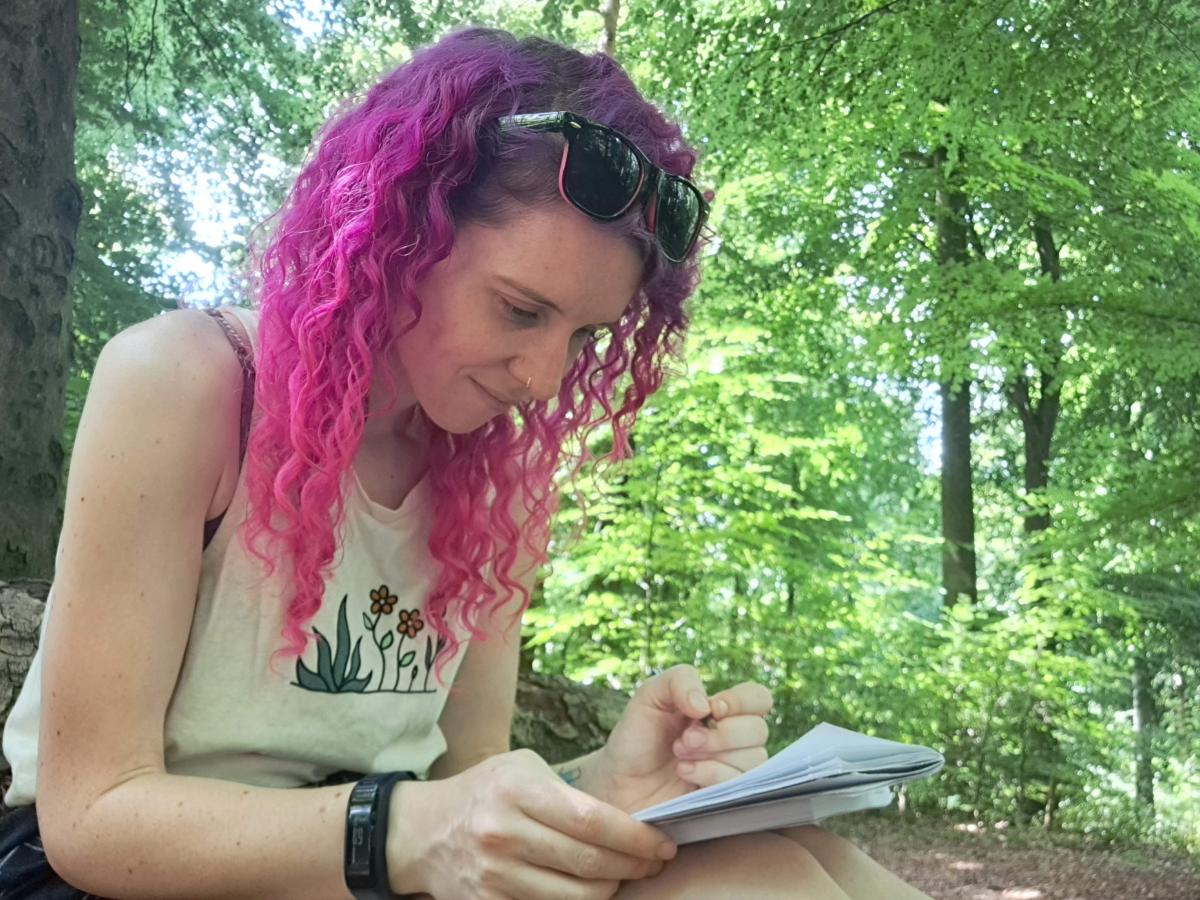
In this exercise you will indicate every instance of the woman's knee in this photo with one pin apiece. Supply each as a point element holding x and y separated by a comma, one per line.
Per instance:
<point>829,849</point>
<point>856,873</point>
<point>763,865</point>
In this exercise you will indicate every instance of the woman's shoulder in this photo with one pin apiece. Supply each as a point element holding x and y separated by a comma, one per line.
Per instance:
<point>183,335</point>
<point>176,373</point>
<point>184,351</point>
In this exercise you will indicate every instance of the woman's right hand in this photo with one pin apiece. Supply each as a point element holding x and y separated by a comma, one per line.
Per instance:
<point>510,829</point>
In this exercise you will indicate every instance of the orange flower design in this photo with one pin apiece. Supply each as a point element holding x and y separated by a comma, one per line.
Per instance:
<point>410,622</point>
<point>382,600</point>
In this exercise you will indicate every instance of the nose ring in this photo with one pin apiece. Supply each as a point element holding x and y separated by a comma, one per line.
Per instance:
<point>528,382</point>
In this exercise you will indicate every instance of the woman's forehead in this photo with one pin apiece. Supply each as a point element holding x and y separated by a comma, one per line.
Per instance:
<point>559,258</point>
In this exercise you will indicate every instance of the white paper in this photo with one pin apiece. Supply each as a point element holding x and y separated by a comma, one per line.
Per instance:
<point>827,772</point>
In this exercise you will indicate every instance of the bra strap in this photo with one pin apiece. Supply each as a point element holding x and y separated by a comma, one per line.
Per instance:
<point>245,358</point>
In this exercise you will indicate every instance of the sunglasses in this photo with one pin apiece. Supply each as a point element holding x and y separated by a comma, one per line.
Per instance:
<point>603,174</point>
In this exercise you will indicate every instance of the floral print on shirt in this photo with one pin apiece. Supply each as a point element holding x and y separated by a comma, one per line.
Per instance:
<point>391,655</point>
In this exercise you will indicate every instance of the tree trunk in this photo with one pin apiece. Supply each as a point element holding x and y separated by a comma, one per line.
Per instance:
<point>650,625</point>
<point>1048,813</point>
<point>21,606</point>
<point>1039,416</point>
<point>958,502</point>
<point>608,40</point>
<point>39,219</point>
<point>1143,728</point>
<point>536,599</point>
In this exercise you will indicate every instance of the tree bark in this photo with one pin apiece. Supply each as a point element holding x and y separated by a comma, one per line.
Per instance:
<point>1143,727</point>
<point>608,40</point>
<point>39,220</point>
<point>21,606</point>
<point>958,501</point>
<point>1039,416</point>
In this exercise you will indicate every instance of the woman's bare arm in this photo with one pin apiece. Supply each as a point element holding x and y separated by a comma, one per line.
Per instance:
<point>477,719</point>
<point>155,441</point>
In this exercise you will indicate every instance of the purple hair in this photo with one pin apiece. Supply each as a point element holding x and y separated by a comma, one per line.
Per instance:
<point>372,211</point>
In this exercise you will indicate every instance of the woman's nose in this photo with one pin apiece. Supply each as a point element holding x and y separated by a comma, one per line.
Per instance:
<point>545,364</point>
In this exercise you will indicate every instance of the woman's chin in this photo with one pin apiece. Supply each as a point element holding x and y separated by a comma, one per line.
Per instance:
<point>461,422</point>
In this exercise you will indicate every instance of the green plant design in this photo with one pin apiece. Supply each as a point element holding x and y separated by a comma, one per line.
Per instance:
<point>337,668</point>
<point>431,653</point>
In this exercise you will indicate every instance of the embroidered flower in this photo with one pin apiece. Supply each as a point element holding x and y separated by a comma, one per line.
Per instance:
<point>410,622</point>
<point>383,601</point>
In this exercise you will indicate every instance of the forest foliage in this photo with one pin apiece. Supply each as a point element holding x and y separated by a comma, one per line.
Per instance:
<point>781,520</point>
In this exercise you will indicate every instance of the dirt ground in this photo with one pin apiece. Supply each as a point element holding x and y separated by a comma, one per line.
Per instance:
<point>952,863</point>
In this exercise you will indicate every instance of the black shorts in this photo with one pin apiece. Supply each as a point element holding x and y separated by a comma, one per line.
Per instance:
<point>25,873</point>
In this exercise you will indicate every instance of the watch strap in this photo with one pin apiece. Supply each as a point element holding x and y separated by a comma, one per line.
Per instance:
<point>365,860</point>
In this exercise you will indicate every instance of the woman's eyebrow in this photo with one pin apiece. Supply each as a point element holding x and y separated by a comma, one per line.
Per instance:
<point>535,297</point>
<point>530,294</point>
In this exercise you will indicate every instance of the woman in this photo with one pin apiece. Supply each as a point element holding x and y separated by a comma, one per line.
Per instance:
<point>276,561</point>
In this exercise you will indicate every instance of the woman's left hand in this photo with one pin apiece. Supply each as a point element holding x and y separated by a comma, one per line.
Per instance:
<point>674,738</point>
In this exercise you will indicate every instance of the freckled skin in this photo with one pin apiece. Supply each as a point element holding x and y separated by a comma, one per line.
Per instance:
<point>469,335</point>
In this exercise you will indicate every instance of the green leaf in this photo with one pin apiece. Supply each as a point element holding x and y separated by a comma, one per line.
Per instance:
<point>343,642</point>
<point>310,680</point>
<point>356,661</point>
<point>407,658</point>
<point>324,661</point>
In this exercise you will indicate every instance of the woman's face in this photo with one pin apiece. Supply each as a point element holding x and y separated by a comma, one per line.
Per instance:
<point>507,312</point>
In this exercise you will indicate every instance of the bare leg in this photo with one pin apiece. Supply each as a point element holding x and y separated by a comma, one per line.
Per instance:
<point>859,876</point>
<point>764,866</point>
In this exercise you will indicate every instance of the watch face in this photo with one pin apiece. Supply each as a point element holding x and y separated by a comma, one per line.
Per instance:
<point>360,823</point>
<point>364,863</point>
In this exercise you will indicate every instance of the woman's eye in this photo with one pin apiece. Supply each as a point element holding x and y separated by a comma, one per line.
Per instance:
<point>519,314</point>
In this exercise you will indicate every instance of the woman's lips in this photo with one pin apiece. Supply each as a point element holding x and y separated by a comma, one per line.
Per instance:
<point>493,400</point>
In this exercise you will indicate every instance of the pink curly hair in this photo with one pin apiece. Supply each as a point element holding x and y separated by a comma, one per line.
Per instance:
<point>372,211</point>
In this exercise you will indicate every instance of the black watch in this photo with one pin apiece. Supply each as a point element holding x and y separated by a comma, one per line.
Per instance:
<point>365,860</point>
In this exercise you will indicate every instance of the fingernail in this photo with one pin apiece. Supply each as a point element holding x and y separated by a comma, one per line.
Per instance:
<point>687,768</point>
<point>665,851</point>
<point>693,738</point>
<point>720,708</point>
<point>698,700</point>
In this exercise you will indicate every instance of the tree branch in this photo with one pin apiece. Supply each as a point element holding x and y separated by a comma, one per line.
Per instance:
<point>835,32</point>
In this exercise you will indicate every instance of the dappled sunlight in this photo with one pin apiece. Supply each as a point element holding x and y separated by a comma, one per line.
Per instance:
<point>1007,894</point>
<point>993,891</point>
<point>989,861</point>
<point>962,865</point>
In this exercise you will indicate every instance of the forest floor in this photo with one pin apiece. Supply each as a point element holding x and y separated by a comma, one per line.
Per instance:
<point>953,863</point>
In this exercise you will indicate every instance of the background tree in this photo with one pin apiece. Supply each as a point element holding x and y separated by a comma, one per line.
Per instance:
<point>39,217</point>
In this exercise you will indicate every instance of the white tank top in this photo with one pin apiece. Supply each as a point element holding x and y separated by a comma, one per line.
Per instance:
<point>364,696</point>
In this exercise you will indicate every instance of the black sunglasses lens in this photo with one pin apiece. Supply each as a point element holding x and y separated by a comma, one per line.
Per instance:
<point>678,216</point>
<point>602,174</point>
